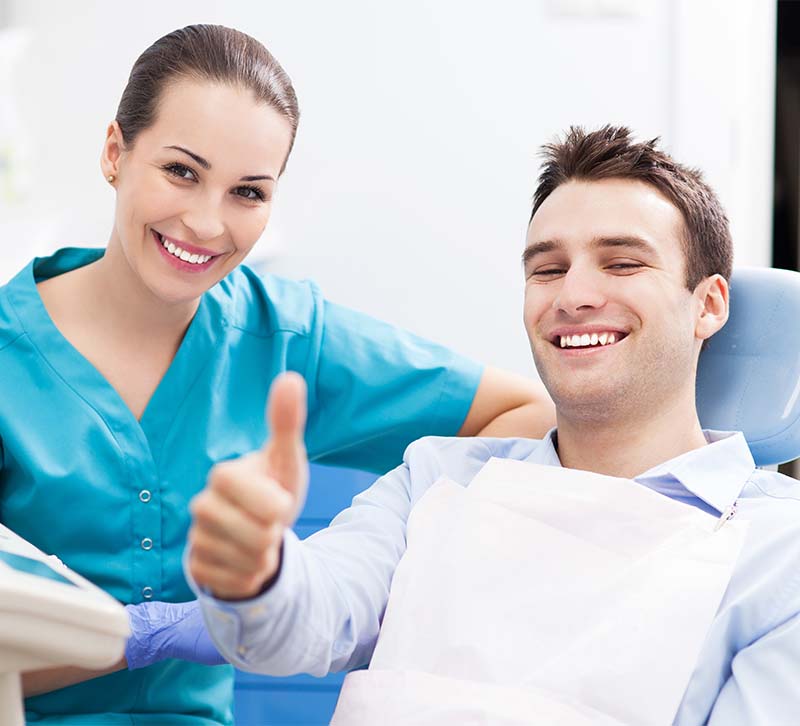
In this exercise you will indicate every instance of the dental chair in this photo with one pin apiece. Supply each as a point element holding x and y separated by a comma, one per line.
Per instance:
<point>748,380</point>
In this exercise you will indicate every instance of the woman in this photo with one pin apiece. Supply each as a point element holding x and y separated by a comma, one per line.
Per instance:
<point>140,366</point>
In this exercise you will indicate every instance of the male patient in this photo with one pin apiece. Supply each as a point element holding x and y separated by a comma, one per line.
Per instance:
<point>628,568</point>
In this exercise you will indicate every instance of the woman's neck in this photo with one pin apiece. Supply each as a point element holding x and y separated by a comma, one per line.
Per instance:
<point>120,300</point>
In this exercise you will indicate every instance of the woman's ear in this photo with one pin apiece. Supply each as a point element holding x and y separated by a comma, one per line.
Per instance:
<point>713,298</point>
<point>112,151</point>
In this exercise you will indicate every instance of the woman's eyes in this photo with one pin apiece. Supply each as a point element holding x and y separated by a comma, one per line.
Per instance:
<point>253,194</point>
<point>183,172</point>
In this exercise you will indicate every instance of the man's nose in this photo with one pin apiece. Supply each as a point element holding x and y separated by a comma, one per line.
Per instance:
<point>205,218</point>
<point>580,289</point>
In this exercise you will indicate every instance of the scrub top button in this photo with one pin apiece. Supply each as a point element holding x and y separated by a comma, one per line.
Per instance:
<point>145,496</point>
<point>147,593</point>
<point>147,543</point>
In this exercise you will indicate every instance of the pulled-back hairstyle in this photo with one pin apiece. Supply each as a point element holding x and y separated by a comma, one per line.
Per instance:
<point>205,53</point>
<point>611,153</point>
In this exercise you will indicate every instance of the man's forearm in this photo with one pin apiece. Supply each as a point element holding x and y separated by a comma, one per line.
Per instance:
<point>51,679</point>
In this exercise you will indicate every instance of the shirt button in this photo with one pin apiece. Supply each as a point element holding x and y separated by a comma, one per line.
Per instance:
<point>145,496</point>
<point>147,593</point>
<point>147,543</point>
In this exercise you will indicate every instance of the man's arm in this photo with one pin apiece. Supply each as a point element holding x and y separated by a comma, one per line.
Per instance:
<point>764,685</point>
<point>506,404</point>
<point>324,596</point>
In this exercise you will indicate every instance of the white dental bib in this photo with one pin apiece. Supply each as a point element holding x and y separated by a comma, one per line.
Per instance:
<point>542,595</point>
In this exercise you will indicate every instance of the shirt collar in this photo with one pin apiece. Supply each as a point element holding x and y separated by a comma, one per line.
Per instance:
<point>715,473</point>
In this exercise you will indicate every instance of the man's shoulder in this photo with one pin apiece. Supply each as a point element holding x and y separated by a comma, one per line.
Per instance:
<point>460,458</point>
<point>775,497</point>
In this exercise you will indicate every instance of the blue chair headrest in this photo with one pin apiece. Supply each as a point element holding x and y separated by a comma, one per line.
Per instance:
<point>748,376</point>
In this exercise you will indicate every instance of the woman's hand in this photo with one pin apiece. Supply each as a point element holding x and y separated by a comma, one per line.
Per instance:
<point>241,515</point>
<point>161,630</point>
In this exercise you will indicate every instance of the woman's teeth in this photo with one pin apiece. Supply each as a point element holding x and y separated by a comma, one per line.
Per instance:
<point>587,339</point>
<point>181,254</point>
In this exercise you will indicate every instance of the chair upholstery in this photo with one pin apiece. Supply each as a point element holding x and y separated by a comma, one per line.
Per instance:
<point>748,377</point>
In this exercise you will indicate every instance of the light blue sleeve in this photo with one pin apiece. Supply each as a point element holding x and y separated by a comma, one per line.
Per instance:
<point>377,388</point>
<point>763,687</point>
<point>323,613</point>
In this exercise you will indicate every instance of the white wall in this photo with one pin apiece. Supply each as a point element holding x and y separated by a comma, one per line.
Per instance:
<point>409,188</point>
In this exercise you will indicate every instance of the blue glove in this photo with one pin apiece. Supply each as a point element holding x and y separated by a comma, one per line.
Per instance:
<point>161,630</point>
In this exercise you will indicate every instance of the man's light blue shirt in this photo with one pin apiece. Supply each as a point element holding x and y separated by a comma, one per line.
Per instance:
<point>324,611</point>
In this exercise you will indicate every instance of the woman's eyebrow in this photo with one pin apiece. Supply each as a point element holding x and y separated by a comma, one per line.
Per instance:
<point>198,159</point>
<point>207,165</point>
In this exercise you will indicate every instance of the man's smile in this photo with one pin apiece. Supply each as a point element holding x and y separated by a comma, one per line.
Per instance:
<point>586,337</point>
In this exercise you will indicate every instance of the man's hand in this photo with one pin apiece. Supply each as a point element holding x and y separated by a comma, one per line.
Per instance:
<point>241,515</point>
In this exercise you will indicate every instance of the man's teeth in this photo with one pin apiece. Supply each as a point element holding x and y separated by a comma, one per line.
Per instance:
<point>586,340</point>
<point>181,254</point>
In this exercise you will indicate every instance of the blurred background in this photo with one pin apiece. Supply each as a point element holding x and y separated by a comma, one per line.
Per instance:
<point>409,189</point>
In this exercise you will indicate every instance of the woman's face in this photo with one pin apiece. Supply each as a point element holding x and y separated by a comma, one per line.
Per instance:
<point>194,192</point>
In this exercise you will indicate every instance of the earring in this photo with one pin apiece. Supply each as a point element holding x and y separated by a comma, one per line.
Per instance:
<point>110,178</point>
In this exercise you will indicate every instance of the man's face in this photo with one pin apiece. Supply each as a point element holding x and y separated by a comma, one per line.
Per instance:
<point>612,326</point>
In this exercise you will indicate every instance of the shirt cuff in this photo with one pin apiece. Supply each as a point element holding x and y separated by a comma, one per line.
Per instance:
<point>237,626</point>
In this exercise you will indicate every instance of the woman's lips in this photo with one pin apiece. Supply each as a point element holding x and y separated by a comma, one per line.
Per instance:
<point>176,262</point>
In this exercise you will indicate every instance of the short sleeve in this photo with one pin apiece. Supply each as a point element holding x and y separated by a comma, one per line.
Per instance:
<point>378,388</point>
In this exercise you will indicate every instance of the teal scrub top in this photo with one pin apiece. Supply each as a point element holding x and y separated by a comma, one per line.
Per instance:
<point>81,478</point>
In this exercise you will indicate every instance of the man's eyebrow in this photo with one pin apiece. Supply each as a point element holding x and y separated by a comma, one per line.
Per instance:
<point>207,165</point>
<point>629,241</point>
<point>538,248</point>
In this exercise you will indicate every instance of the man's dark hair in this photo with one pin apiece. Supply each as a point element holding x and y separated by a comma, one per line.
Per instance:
<point>611,153</point>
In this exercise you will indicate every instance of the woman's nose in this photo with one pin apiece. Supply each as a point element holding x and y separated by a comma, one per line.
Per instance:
<point>205,219</point>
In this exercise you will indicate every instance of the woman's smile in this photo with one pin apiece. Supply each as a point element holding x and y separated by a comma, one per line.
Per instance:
<point>183,257</point>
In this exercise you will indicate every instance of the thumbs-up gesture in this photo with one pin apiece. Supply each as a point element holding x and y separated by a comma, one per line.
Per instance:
<point>240,517</point>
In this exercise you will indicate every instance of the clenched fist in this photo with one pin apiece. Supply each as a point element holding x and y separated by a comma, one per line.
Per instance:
<point>241,515</point>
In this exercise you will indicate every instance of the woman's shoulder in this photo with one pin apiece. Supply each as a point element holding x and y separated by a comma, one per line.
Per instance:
<point>265,304</point>
<point>10,325</point>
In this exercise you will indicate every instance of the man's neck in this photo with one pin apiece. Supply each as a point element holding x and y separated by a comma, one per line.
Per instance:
<point>628,446</point>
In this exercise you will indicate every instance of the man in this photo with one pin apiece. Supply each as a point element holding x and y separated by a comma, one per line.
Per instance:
<point>626,266</point>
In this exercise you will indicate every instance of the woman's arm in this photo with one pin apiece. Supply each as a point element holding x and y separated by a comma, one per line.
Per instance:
<point>507,404</point>
<point>51,679</point>
<point>159,630</point>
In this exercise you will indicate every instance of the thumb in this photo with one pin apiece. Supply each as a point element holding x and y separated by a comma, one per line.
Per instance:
<point>285,449</point>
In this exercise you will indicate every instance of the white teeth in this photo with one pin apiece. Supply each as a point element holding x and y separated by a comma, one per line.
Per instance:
<point>182,254</point>
<point>587,339</point>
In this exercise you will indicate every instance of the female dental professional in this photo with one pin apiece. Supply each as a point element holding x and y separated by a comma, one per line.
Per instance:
<point>128,372</point>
